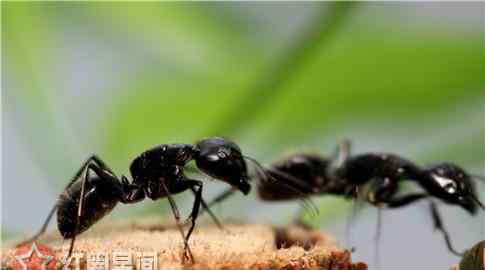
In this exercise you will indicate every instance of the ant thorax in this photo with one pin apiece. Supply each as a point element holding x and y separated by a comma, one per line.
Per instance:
<point>164,160</point>
<point>363,168</point>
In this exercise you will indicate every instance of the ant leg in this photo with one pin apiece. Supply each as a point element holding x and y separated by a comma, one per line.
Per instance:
<point>356,206</point>
<point>383,194</point>
<point>403,200</point>
<point>377,237</point>
<point>176,213</point>
<point>90,160</point>
<point>100,169</point>
<point>206,208</point>
<point>341,153</point>
<point>299,221</point>
<point>438,224</point>
<point>42,229</point>
<point>196,187</point>
<point>102,164</point>
<point>53,209</point>
<point>337,159</point>
<point>221,197</point>
<point>80,207</point>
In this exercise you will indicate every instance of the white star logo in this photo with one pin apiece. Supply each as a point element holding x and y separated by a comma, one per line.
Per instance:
<point>45,258</point>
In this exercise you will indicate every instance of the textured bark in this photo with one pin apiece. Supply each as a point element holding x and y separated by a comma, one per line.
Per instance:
<point>238,247</point>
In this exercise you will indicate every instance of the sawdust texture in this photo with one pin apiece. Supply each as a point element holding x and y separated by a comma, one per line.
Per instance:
<point>237,247</point>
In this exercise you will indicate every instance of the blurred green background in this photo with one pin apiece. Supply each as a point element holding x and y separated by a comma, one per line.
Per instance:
<point>117,78</point>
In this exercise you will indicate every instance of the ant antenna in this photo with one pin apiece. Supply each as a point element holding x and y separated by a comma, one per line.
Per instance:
<point>259,167</point>
<point>474,198</point>
<point>261,171</point>
<point>295,181</point>
<point>477,201</point>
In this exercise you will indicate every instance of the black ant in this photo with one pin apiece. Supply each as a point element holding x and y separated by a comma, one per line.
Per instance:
<point>376,176</point>
<point>157,173</point>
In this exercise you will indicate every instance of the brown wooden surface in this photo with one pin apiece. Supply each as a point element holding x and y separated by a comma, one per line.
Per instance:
<point>238,247</point>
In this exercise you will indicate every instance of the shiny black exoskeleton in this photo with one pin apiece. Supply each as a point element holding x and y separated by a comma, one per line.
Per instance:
<point>157,173</point>
<point>374,176</point>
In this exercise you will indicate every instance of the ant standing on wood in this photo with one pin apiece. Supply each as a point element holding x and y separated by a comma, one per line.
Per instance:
<point>157,173</point>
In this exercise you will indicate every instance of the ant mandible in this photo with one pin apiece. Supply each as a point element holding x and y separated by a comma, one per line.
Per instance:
<point>377,175</point>
<point>157,173</point>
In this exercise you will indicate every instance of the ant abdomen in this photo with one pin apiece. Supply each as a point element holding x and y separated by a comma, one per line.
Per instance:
<point>99,200</point>
<point>305,167</point>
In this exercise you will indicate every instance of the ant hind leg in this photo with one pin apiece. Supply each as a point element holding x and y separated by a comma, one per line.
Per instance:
<point>76,176</point>
<point>42,229</point>
<point>90,166</point>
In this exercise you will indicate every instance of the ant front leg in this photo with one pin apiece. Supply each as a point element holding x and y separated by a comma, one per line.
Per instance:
<point>404,200</point>
<point>196,187</point>
<point>206,208</point>
<point>176,213</point>
<point>438,224</point>
<point>219,198</point>
<point>383,191</point>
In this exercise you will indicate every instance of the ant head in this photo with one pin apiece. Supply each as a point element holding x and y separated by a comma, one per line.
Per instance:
<point>453,185</point>
<point>223,160</point>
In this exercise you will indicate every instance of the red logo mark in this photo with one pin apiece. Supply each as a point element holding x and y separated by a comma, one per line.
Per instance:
<point>34,256</point>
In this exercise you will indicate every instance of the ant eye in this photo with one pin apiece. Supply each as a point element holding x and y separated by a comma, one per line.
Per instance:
<point>451,188</point>
<point>213,157</point>
<point>222,155</point>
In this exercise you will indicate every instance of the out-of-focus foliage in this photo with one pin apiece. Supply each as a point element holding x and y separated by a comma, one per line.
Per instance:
<point>473,258</point>
<point>214,71</point>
